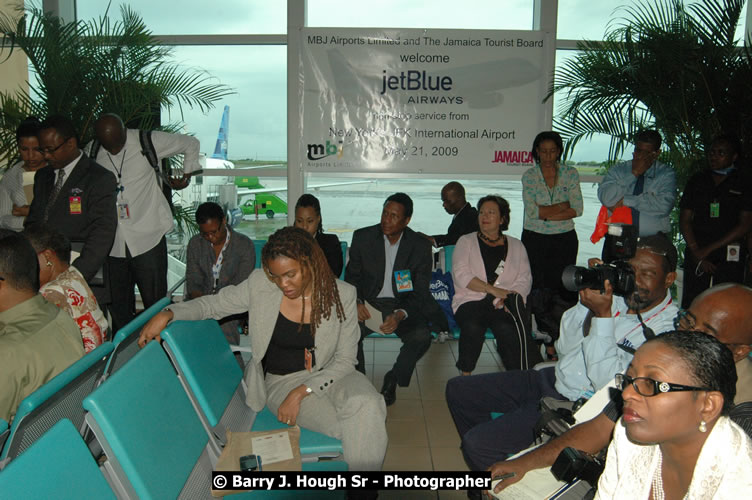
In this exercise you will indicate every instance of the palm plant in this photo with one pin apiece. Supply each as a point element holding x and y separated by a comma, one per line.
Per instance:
<point>666,65</point>
<point>82,69</point>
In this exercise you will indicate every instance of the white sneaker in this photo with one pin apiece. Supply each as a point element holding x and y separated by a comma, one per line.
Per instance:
<point>442,337</point>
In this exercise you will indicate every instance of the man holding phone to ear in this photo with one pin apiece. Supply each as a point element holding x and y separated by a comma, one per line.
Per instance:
<point>645,185</point>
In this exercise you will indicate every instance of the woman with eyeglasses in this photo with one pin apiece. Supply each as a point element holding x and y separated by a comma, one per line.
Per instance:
<point>675,439</point>
<point>715,217</point>
<point>218,257</point>
<point>14,204</point>
<point>552,199</point>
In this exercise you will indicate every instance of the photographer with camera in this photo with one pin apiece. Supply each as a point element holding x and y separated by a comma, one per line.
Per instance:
<point>598,337</point>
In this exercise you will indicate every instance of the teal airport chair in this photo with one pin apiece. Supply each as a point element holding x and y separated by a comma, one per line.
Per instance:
<point>213,380</point>
<point>58,465</point>
<point>61,397</point>
<point>4,432</point>
<point>155,444</point>
<point>257,246</point>
<point>126,339</point>
<point>343,244</point>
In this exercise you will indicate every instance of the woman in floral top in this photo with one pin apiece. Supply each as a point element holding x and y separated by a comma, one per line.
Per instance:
<point>64,286</point>
<point>552,198</point>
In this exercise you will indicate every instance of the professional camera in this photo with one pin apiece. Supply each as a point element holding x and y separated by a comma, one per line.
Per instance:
<point>620,244</point>
<point>574,464</point>
<point>619,273</point>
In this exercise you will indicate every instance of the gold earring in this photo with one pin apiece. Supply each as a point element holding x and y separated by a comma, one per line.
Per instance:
<point>703,426</point>
<point>49,264</point>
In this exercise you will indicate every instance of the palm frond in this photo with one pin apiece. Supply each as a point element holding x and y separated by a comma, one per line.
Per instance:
<point>83,69</point>
<point>661,65</point>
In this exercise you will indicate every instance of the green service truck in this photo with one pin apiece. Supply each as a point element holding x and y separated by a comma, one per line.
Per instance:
<point>259,203</point>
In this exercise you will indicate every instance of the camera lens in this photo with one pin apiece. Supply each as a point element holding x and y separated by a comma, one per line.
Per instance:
<point>575,278</point>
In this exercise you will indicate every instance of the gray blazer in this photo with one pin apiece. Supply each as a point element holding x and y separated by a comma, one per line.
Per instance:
<point>336,343</point>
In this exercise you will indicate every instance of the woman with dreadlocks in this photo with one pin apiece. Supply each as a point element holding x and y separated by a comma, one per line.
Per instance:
<point>304,335</point>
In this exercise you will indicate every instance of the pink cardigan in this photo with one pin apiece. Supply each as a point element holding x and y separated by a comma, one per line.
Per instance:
<point>467,263</point>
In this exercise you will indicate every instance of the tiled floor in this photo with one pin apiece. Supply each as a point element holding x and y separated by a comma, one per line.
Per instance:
<point>422,435</point>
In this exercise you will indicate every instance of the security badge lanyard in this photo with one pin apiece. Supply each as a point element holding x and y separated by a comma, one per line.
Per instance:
<point>217,267</point>
<point>309,358</point>
<point>646,330</point>
<point>122,204</point>
<point>715,209</point>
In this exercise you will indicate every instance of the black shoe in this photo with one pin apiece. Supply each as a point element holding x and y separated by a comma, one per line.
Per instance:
<point>389,389</point>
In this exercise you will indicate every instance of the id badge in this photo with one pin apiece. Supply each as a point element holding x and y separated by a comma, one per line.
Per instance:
<point>500,268</point>
<point>732,252</point>
<point>404,281</point>
<point>308,357</point>
<point>74,205</point>
<point>715,210</point>
<point>123,211</point>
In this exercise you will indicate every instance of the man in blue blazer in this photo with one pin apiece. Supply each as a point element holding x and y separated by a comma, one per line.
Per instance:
<point>77,197</point>
<point>390,265</point>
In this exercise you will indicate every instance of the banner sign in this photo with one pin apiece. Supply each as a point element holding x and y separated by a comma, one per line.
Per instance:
<point>421,101</point>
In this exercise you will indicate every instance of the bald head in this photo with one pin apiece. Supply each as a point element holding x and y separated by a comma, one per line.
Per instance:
<point>453,197</point>
<point>110,132</point>
<point>725,311</point>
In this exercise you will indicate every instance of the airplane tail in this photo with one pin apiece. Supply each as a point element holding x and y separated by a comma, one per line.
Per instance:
<point>220,150</point>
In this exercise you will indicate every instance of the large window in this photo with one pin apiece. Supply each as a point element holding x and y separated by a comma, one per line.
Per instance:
<point>189,17</point>
<point>584,19</point>
<point>445,14</point>
<point>588,20</point>
<point>258,112</point>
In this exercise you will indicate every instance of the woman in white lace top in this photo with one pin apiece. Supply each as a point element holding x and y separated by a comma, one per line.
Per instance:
<point>674,439</point>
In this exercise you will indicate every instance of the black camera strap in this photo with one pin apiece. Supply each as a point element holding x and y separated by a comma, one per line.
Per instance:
<point>646,331</point>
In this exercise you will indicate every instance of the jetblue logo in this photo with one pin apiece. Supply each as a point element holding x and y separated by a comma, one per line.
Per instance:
<point>321,151</point>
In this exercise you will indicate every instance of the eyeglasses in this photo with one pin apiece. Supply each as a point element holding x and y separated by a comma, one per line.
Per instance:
<point>211,234</point>
<point>643,152</point>
<point>49,151</point>
<point>648,387</point>
<point>685,320</point>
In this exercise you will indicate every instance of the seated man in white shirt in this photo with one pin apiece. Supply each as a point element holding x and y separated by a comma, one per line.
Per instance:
<point>598,338</point>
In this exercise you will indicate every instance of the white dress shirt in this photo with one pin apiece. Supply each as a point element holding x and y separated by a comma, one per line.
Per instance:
<point>150,215</point>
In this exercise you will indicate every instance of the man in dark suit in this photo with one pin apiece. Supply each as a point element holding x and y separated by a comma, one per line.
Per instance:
<point>390,265</point>
<point>76,196</point>
<point>465,218</point>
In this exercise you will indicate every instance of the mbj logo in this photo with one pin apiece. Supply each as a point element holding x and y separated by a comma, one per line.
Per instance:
<point>513,157</point>
<point>321,151</point>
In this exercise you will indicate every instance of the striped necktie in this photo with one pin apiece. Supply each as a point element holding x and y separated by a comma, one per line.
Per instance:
<point>55,192</point>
